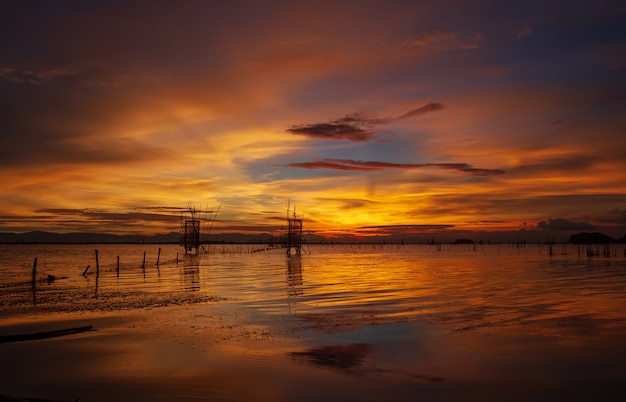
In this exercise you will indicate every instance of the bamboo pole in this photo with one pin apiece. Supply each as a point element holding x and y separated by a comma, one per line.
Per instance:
<point>34,271</point>
<point>97,264</point>
<point>34,282</point>
<point>97,275</point>
<point>157,264</point>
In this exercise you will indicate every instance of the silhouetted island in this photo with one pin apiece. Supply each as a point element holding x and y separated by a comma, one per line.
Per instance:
<point>591,238</point>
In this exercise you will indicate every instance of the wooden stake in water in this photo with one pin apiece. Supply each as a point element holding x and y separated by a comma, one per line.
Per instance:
<point>34,271</point>
<point>143,265</point>
<point>158,258</point>
<point>97,274</point>
<point>97,264</point>
<point>118,266</point>
<point>34,282</point>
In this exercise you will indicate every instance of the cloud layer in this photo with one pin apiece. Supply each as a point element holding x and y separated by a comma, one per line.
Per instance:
<point>368,115</point>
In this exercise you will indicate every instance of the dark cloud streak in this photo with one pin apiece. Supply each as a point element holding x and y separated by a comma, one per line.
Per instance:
<point>333,131</point>
<point>564,225</point>
<point>119,217</point>
<point>35,76</point>
<point>615,216</point>
<point>407,228</point>
<point>350,127</point>
<point>371,166</point>
<point>431,107</point>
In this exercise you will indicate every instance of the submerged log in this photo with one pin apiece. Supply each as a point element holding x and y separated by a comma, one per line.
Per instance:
<point>44,334</point>
<point>6,398</point>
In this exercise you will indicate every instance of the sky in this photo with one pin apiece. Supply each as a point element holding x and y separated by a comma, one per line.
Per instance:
<point>372,118</point>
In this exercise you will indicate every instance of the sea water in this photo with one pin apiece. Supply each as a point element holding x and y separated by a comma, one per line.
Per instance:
<point>362,322</point>
<point>464,285</point>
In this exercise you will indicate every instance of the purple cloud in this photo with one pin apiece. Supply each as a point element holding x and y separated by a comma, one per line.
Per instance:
<point>350,127</point>
<point>370,166</point>
<point>333,131</point>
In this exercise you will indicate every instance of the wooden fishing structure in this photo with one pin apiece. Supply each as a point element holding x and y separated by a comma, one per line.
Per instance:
<point>191,235</point>
<point>195,228</point>
<point>293,238</point>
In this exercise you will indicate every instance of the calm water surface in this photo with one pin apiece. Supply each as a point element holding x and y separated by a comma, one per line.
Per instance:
<point>340,322</point>
<point>492,284</point>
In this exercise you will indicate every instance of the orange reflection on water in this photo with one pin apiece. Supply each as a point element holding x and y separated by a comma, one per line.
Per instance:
<point>371,322</point>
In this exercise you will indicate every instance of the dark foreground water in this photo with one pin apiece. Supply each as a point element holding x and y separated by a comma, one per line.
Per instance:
<point>337,323</point>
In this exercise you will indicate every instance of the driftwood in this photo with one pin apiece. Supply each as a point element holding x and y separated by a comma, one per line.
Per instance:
<point>6,398</point>
<point>44,334</point>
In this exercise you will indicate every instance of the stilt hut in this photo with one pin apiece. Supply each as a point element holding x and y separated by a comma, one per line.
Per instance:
<point>194,229</point>
<point>190,238</point>
<point>294,234</point>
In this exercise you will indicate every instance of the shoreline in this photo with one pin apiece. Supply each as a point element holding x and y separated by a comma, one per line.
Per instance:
<point>206,351</point>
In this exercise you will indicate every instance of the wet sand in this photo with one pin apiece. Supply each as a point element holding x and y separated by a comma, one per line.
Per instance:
<point>225,351</point>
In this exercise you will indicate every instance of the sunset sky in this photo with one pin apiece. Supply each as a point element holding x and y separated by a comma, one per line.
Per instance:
<point>372,117</point>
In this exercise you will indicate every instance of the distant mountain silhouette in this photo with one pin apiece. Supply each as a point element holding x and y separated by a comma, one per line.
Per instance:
<point>464,241</point>
<point>266,238</point>
<point>592,238</point>
<point>167,238</point>
<point>87,238</point>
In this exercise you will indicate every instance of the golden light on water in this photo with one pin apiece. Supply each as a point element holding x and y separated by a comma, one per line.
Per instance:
<point>411,319</point>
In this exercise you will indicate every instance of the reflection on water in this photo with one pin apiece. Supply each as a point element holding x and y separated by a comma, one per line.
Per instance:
<point>294,275</point>
<point>363,359</point>
<point>467,289</point>
<point>294,281</point>
<point>96,283</point>
<point>497,323</point>
<point>34,290</point>
<point>191,278</point>
<point>191,272</point>
<point>345,358</point>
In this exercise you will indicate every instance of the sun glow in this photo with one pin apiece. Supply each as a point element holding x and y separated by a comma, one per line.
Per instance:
<point>362,124</point>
